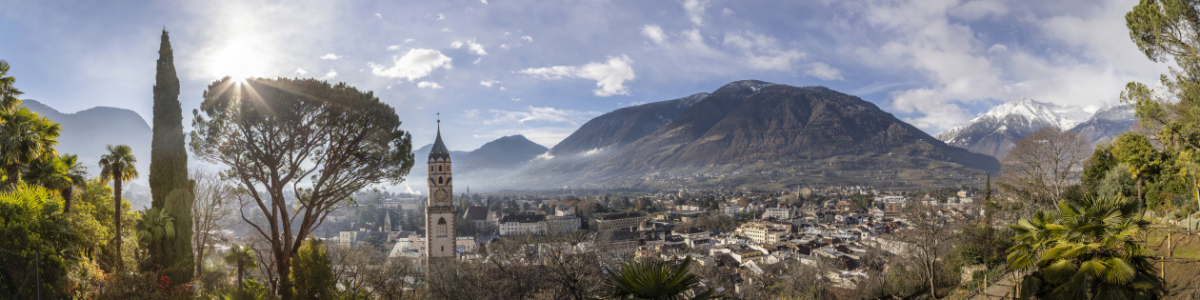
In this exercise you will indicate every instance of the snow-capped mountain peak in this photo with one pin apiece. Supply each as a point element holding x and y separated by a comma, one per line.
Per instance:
<point>1065,116</point>
<point>994,132</point>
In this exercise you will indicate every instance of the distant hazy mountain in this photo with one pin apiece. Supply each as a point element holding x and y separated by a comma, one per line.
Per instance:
<point>995,132</point>
<point>1107,124</point>
<point>87,132</point>
<point>504,153</point>
<point>798,130</point>
<point>624,126</point>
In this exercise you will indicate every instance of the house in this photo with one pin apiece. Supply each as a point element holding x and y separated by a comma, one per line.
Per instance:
<point>777,213</point>
<point>523,224</point>
<point>477,215</point>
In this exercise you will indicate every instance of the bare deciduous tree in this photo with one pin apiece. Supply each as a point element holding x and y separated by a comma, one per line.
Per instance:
<point>210,212</point>
<point>929,239</point>
<point>1043,164</point>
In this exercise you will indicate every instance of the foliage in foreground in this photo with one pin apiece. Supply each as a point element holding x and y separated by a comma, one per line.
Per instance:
<point>655,280</point>
<point>34,229</point>
<point>1085,250</point>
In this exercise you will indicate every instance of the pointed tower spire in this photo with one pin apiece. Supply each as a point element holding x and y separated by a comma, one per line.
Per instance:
<point>439,149</point>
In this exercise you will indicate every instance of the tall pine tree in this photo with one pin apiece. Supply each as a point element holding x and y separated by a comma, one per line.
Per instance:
<point>169,185</point>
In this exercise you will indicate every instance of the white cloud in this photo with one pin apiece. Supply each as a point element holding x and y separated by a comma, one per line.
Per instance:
<point>394,47</point>
<point>527,38</point>
<point>377,15</point>
<point>695,10</point>
<point>977,9</point>
<point>824,71</point>
<point>516,99</point>
<point>488,83</point>
<point>762,52</point>
<point>329,75</point>
<point>472,47</point>
<point>429,85</point>
<point>415,64</point>
<point>484,1</point>
<point>610,76</point>
<point>440,17</point>
<point>331,56</point>
<point>301,71</point>
<point>447,30</point>
<point>654,33</point>
<point>542,125</point>
<point>726,11</point>
<point>539,114</point>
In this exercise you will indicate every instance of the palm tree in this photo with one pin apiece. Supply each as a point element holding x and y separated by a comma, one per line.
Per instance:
<point>118,165</point>
<point>243,258</point>
<point>1086,250</point>
<point>61,173</point>
<point>8,93</point>
<point>76,173</point>
<point>25,137</point>
<point>155,225</point>
<point>655,280</point>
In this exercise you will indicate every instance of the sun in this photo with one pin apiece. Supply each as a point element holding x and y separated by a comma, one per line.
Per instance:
<point>237,60</point>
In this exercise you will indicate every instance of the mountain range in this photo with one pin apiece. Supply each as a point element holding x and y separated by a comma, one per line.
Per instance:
<point>995,132</point>
<point>799,131</point>
<point>505,153</point>
<point>85,133</point>
<point>747,134</point>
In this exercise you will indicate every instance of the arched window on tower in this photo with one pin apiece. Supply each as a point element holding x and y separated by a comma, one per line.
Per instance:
<point>441,227</point>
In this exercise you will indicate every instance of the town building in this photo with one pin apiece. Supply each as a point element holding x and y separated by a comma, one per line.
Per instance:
<point>523,224</point>
<point>777,213</point>
<point>620,221</point>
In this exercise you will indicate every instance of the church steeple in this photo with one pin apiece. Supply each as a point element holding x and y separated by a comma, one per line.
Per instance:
<point>439,149</point>
<point>440,211</point>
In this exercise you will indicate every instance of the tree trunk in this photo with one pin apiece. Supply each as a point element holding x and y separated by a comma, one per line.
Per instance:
<point>200,262</point>
<point>932,287</point>
<point>241,267</point>
<point>66,194</point>
<point>117,214</point>
<point>284,267</point>
<point>1141,196</point>
<point>14,176</point>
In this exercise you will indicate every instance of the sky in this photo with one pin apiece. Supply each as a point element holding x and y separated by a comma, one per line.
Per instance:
<point>493,68</point>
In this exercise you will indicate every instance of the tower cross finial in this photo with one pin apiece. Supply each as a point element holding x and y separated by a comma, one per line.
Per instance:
<point>439,121</point>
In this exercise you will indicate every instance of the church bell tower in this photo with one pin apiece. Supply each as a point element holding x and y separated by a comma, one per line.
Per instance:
<point>439,211</point>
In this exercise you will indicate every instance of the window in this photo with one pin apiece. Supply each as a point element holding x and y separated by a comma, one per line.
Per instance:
<point>441,227</point>
<point>439,168</point>
<point>440,179</point>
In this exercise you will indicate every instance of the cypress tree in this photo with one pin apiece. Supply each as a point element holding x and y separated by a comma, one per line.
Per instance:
<point>170,188</point>
<point>987,192</point>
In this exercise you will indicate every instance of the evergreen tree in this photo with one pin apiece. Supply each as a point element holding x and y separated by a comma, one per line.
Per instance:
<point>987,192</point>
<point>169,186</point>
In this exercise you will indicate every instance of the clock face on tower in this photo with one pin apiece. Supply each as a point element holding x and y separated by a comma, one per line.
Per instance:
<point>440,195</point>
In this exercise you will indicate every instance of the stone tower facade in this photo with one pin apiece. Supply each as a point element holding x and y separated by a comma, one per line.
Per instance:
<point>439,211</point>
